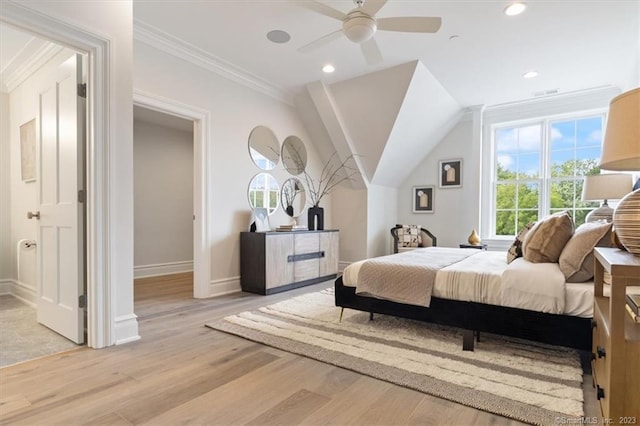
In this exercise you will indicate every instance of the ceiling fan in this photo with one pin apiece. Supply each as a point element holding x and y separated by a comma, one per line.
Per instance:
<point>360,24</point>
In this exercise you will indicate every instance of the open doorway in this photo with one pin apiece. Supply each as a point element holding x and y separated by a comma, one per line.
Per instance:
<point>163,153</point>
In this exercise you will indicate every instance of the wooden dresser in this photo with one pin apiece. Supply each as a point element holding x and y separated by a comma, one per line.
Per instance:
<point>616,339</point>
<point>271,262</point>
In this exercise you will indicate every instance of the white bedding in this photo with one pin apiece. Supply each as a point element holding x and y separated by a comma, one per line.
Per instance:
<point>521,284</point>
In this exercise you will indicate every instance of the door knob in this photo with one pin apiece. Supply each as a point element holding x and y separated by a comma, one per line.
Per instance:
<point>31,215</point>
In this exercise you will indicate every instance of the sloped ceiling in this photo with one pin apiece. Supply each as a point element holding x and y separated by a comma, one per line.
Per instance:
<point>391,119</point>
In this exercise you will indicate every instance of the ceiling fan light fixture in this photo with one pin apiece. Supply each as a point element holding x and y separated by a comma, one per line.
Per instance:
<point>359,28</point>
<point>515,8</point>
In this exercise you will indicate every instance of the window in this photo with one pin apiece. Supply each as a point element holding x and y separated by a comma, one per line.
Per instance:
<point>539,169</point>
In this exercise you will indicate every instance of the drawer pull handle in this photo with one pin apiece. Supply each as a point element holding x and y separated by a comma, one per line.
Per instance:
<point>594,324</point>
<point>599,392</point>
<point>601,352</point>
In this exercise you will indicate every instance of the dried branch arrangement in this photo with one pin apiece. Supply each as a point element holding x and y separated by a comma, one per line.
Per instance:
<point>332,175</point>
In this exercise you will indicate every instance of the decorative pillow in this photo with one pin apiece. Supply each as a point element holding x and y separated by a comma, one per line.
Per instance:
<point>545,241</point>
<point>576,259</point>
<point>515,251</point>
<point>409,236</point>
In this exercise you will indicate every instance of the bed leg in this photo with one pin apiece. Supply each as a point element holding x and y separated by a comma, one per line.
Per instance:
<point>370,316</point>
<point>341,312</point>
<point>467,340</point>
<point>477,336</point>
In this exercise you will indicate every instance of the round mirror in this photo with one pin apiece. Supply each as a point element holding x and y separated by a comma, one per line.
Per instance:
<point>293,197</point>
<point>263,192</point>
<point>294,155</point>
<point>264,147</point>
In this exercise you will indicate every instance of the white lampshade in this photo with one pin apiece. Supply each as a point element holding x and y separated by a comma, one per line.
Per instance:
<point>608,186</point>
<point>621,151</point>
<point>621,148</point>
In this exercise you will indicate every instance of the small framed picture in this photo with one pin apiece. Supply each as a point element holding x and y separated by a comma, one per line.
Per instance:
<point>450,173</point>
<point>28,151</point>
<point>423,197</point>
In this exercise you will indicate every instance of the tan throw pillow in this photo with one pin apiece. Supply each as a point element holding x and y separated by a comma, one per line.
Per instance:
<point>576,259</point>
<point>515,251</point>
<point>545,241</point>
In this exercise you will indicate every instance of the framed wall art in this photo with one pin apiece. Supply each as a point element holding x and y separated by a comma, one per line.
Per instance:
<point>28,151</point>
<point>423,198</point>
<point>450,172</point>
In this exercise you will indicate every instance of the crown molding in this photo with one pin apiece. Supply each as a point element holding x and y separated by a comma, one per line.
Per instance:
<point>179,48</point>
<point>30,59</point>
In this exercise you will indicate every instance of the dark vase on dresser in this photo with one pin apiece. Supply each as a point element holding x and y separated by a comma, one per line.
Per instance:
<point>314,213</point>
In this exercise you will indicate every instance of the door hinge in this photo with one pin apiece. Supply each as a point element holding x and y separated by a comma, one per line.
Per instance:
<point>82,90</point>
<point>82,196</point>
<point>82,301</point>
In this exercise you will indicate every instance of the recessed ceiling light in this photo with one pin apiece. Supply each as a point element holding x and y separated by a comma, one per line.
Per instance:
<point>515,8</point>
<point>328,68</point>
<point>530,74</point>
<point>454,37</point>
<point>278,36</point>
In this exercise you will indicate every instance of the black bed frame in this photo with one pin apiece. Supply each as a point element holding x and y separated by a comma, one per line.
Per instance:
<point>562,330</point>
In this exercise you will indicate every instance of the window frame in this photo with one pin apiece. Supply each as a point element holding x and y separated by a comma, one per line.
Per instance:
<point>489,175</point>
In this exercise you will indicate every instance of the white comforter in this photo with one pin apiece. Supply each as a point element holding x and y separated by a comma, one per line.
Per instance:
<point>485,277</point>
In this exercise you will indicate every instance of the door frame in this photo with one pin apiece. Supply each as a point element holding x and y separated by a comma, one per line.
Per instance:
<point>101,292</point>
<point>201,125</point>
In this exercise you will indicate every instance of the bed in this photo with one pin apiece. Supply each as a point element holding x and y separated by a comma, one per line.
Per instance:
<point>477,291</point>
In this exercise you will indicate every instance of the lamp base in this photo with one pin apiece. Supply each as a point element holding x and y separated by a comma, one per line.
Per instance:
<point>626,222</point>
<point>604,212</point>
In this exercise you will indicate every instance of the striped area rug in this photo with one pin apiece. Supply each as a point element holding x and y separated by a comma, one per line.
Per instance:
<point>530,382</point>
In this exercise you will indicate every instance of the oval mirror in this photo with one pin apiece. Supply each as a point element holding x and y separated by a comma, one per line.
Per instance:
<point>263,192</point>
<point>293,197</point>
<point>294,155</point>
<point>264,147</point>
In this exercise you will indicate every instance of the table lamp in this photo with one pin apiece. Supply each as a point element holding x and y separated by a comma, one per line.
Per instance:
<point>604,187</point>
<point>621,152</point>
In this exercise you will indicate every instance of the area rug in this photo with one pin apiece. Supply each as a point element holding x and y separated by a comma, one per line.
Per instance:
<point>526,381</point>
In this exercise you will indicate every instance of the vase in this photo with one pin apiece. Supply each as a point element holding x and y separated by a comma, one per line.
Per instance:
<point>474,238</point>
<point>626,222</point>
<point>315,213</point>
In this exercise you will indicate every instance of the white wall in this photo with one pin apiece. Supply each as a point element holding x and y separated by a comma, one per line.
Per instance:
<point>382,208</point>
<point>350,217</point>
<point>235,110</point>
<point>163,198</point>
<point>5,193</point>
<point>454,216</point>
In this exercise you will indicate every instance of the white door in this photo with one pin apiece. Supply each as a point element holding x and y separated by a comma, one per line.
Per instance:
<point>60,265</point>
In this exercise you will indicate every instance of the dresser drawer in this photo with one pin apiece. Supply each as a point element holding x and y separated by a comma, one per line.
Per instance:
<point>306,243</point>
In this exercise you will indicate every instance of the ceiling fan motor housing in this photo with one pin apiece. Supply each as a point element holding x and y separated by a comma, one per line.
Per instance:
<point>359,27</point>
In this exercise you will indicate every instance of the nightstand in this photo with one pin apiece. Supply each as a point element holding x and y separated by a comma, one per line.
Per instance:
<point>616,338</point>
<point>477,246</point>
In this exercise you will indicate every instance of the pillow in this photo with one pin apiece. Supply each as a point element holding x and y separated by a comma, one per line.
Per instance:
<point>576,260</point>
<point>545,241</point>
<point>409,236</point>
<point>515,251</point>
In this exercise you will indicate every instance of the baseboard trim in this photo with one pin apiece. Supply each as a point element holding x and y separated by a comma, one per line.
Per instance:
<point>343,264</point>
<point>5,286</point>
<point>19,290</point>
<point>126,329</point>
<point>145,271</point>
<point>223,286</point>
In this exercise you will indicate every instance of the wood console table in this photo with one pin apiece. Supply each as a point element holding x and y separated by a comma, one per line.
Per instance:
<point>271,262</point>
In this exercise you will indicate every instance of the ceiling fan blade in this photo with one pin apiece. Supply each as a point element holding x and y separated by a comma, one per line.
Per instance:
<point>371,7</point>
<point>410,24</point>
<point>316,44</point>
<point>320,8</point>
<point>371,51</point>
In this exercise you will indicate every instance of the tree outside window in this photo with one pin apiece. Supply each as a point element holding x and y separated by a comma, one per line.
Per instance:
<point>540,168</point>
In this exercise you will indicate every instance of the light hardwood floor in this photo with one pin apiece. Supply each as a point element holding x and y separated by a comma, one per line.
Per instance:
<point>181,372</point>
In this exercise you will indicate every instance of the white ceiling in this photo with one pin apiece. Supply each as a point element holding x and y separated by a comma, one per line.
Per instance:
<point>574,45</point>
